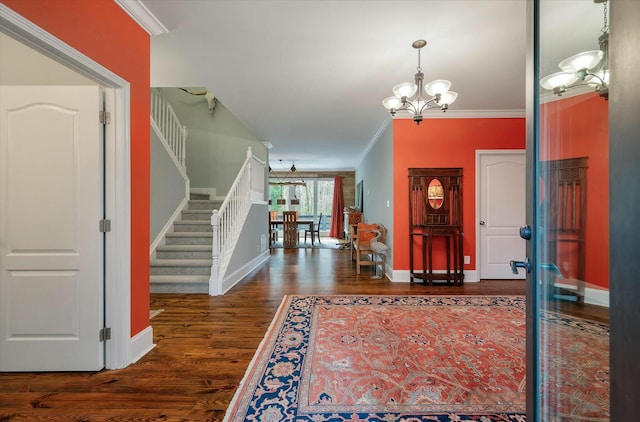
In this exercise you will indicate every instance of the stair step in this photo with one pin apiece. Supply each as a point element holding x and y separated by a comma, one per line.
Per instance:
<point>200,196</point>
<point>204,204</point>
<point>184,252</point>
<point>199,215</point>
<point>189,238</point>
<point>184,248</point>
<point>180,267</point>
<point>192,226</point>
<point>179,283</point>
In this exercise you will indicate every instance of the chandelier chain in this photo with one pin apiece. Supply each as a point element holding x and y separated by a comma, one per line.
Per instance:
<point>605,27</point>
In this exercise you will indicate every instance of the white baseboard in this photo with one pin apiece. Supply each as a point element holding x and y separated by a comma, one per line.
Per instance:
<point>232,279</point>
<point>470,276</point>
<point>596,297</point>
<point>141,344</point>
<point>599,297</point>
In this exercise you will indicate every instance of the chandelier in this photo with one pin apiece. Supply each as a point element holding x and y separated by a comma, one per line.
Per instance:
<point>285,178</point>
<point>589,68</point>
<point>409,96</point>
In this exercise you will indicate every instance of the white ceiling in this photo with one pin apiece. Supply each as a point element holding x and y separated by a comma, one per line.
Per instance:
<point>308,76</point>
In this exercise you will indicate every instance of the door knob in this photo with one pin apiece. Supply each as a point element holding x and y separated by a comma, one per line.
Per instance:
<point>482,223</point>
<point>526,264</point>
<point>525,232</point>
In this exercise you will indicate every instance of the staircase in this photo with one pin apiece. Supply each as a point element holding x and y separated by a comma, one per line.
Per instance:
<point>183,263</point>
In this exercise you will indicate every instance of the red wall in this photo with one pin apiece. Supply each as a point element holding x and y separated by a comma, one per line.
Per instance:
<point>101,30</point>
<point>579,127</point>
<point>445,143</point>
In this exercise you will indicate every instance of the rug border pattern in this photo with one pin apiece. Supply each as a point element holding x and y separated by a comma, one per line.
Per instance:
<point>306,303</point>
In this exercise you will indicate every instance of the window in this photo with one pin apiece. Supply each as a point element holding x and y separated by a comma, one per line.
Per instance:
<point>315,197</point>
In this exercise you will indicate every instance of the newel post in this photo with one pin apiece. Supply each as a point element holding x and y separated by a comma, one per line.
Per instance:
<point>214,280</point>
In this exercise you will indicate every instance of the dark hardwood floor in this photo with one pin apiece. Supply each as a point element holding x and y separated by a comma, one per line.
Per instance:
<point>204,345</point>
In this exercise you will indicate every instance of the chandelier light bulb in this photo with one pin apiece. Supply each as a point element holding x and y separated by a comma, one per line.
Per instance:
<point>405,89</point>
<point>558,79</point>
<point>439,86</point>
<point>392,103</point>
<point>448,98</point>
<point>585,60</point>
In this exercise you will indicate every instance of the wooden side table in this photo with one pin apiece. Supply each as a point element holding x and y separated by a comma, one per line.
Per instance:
<point>453,249</point>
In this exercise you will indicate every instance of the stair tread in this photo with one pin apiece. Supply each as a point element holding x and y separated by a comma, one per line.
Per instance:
<point>192,221</point>
<point>181,262</point>
<point>205,248</point>
<point>189,234</point>
<point>165,278</point>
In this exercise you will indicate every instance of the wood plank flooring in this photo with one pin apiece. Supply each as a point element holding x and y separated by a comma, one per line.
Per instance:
<point>204,345</point>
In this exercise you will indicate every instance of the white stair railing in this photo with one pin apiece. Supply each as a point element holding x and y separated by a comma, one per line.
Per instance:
<point>228,220</point>
<point>168,123</point>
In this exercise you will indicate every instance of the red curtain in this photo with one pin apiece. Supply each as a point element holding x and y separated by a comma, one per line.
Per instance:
<point>337,216</point>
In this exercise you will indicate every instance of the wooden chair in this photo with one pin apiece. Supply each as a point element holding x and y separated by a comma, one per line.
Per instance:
<point>289,228</point>
<point>273,228</point>
<point>315,230</point>
<point>361,246</point>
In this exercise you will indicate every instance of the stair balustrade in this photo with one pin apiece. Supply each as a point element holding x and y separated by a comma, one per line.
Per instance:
<point>227,221</point>
<point>165,118</point>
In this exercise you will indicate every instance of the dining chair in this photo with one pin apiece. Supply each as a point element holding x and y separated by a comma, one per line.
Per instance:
<point>289,228</point>
<point>314,230</point>
<point>273,228</point>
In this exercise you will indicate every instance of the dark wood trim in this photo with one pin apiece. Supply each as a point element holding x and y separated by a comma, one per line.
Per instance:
<point>624,203</point>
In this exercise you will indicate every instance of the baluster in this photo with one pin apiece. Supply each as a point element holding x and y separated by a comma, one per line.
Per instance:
<point>214,281</point>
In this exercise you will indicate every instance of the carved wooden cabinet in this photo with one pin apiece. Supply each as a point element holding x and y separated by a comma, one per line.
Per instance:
<point>564,218</point>
<point>435,220</point>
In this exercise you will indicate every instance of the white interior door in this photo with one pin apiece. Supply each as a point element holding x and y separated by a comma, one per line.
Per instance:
<point>501,212</point>
<point>51,250</point>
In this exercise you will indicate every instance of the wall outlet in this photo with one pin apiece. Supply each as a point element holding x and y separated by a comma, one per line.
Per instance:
<point>387,204</point>
<point>467,259</point>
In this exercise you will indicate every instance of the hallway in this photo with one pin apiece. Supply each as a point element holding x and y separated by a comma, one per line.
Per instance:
<point>204,345</point>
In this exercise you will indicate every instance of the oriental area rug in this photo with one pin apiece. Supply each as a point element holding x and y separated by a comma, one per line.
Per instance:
<point>389,358</point>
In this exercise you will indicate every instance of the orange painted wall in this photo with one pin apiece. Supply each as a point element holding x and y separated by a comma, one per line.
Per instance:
<point>579,127</point>
<point>101,30</point>
<point>445,143</point>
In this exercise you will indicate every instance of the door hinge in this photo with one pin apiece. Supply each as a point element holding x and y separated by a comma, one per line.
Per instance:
<point>105,225</point>
<point>105,334</point>
<point>105,117</point>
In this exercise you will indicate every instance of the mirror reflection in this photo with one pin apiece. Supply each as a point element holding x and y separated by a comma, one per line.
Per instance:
<point>435,194</point>
<point>572,220</point>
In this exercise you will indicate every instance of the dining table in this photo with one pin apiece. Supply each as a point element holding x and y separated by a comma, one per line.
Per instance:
<point>309,223</point>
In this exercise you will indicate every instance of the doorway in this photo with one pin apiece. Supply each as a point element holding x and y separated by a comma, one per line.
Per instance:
<point>501,210</point>
<point>120,350</point>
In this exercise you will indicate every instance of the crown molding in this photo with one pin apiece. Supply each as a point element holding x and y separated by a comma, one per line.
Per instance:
<point>549,97</point>
<point>143,16</point>
<point>469,114</point>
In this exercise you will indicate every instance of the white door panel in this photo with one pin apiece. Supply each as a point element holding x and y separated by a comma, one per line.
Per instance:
<point>502,211</point>
<point>51,253</point>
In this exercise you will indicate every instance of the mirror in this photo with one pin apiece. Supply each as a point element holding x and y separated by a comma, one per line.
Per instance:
<point>435,194</point>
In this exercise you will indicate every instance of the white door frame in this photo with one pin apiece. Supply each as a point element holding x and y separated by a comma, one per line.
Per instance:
<point>117,177</point>
<point>479,153</point>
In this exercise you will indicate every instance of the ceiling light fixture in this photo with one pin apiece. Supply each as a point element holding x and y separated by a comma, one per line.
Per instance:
<point>408,96</point>
<point>585,68</point>
<point>292,177</point>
